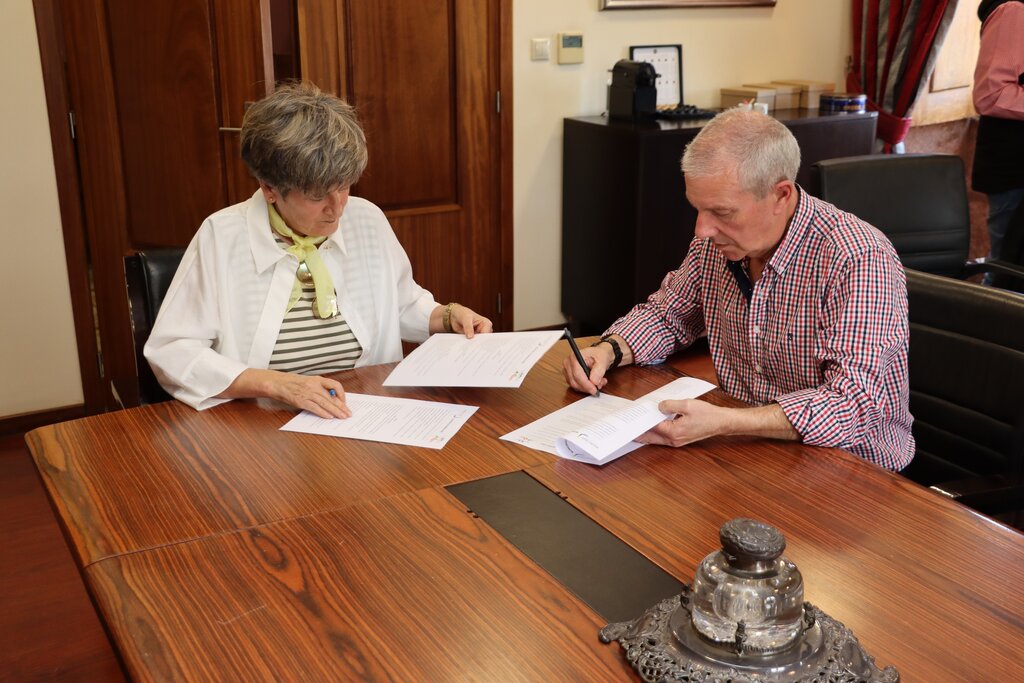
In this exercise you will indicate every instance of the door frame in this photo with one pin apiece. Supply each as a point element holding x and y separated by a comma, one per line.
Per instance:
<point>69,195</point>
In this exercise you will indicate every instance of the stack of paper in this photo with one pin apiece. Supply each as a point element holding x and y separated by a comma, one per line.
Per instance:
<point>599,429</point>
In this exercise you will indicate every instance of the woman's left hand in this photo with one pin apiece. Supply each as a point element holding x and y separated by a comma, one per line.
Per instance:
<point>468,322</point>
<point>461,320</point>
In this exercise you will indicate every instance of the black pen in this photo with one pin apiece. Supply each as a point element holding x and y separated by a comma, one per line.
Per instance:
<point>579,356</point>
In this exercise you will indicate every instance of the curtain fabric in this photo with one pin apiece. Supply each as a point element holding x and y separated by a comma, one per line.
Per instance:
<point>895,43</point>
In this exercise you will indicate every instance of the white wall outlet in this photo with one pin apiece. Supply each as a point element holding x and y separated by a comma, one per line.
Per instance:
<point>570,47</point>
<point>540,49</point>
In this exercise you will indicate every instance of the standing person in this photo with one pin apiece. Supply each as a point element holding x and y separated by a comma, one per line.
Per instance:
<point>999,99</point>
<point>299,280</point>
<point>804,307</point>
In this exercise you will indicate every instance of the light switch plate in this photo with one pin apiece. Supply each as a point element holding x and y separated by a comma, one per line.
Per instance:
<point>540,49</point>
<point>570,47</point>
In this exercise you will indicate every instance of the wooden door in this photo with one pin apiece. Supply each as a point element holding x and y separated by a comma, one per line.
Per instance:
<point>425,77</point>
<point>156,92</point>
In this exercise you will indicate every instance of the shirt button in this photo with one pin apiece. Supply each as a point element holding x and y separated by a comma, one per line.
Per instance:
<point>756,329</point>
<point>757,368</point>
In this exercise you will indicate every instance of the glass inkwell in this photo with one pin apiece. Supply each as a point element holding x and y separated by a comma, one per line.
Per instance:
<point>744,621</point>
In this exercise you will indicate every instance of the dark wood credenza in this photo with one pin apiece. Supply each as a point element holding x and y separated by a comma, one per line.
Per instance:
<point>625,218</point>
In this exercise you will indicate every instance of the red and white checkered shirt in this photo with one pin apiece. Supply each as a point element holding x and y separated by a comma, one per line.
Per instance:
<point>824,334</point>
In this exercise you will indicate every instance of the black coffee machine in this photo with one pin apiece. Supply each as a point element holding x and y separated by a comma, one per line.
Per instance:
<point>632,96</point>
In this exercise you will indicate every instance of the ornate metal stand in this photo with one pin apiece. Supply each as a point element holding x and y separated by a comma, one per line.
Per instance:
<point>664,647</point>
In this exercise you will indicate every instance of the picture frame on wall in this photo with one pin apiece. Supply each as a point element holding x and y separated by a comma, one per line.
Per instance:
<point>661,4</point>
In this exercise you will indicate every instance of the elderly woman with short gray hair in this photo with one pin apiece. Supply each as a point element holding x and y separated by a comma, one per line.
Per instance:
<point>298,281</point>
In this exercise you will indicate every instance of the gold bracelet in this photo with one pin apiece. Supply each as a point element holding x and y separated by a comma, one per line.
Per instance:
<point>446,317</point>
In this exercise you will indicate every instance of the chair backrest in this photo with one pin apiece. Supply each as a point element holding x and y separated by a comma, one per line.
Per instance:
<point>966,379</point>
<point>1012,251</point>
<point>148,274</point>
<point>918,200</point>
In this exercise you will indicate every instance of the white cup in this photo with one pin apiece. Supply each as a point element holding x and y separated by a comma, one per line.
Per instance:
<point>761,107</point>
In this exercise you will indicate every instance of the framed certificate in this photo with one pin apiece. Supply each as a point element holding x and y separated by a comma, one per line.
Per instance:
<point>668,62</point>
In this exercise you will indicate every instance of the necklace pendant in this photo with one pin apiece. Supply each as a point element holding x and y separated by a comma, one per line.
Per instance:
<point>333,313</point>
<point>303,274</point>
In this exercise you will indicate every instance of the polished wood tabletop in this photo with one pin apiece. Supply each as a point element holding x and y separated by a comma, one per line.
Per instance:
<point>218,548</point>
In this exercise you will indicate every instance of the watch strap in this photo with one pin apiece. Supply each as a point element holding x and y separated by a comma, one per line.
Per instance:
<point>616,350</point>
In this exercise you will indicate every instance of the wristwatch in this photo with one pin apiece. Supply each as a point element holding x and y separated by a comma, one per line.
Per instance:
<point>616,349</point>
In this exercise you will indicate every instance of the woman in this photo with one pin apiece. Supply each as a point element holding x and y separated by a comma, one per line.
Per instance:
<point>299,280</point>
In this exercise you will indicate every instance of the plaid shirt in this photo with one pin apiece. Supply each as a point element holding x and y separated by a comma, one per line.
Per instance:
<point>824,334</point>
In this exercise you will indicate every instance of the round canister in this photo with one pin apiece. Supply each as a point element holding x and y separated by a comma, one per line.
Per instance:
<point>842,103</point>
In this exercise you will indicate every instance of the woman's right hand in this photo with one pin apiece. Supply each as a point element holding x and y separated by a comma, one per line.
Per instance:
<point>306,392</point>
<point>312,393</point>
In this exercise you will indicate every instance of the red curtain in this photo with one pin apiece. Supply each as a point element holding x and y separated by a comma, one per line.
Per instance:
<point>895,43</point>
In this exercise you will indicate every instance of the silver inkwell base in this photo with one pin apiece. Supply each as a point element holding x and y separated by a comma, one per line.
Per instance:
<point>744,621</point>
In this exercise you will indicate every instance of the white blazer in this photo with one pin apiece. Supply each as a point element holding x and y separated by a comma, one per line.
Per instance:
<point>225,305</point>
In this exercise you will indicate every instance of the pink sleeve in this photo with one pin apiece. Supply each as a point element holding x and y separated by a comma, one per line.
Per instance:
<point>997,91</point>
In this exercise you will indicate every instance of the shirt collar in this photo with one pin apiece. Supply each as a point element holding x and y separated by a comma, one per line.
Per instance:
<point>795,231</point>
<point>265,249</point>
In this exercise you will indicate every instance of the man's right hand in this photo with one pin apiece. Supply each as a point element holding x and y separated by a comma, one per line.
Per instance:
<point>599,358</point>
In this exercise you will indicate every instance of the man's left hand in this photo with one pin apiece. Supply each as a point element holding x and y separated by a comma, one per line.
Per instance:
<point>694,420</point>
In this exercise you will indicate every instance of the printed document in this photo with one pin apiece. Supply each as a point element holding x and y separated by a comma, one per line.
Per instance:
<point>599,429</point>
<point>389,420</point>
<point>500,359</point>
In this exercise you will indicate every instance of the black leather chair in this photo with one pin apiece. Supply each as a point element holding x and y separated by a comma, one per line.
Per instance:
<point>148,274</point>
<point>918,200</point>
<point>967,390</point>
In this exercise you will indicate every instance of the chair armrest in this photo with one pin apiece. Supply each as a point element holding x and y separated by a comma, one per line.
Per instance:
<point>987,265</point>
<point>991,495</point>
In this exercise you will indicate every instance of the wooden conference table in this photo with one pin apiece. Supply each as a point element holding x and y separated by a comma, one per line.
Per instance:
<point>219,548</point>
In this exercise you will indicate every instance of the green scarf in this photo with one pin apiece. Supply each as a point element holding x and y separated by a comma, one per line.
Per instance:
<point>305,249</point>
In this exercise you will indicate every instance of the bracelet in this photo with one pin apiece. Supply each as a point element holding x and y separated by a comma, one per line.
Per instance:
<point>616,350</point>
<point>446,317</point>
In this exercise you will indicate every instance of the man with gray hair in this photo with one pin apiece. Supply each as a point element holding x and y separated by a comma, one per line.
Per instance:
<point>804,307</point>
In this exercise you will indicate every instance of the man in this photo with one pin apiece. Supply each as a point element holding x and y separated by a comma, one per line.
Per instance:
<point>804,307</point>
<point>999,98</point>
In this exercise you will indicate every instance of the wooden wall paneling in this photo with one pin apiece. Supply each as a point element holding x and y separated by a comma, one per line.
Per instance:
<point>451,209</point>
<point>323,45</point>
<point>102,177</point>
<point>245,69</point>
<point>55,84</point>
<point>171,152</point>
<point>404,83</point>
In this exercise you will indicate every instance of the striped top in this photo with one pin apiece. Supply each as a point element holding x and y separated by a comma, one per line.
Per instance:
<point>824,333</point>
<point>308,345</point>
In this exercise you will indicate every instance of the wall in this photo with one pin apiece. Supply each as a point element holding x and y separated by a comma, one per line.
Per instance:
<point>38,358</point>
<point>721,48</point>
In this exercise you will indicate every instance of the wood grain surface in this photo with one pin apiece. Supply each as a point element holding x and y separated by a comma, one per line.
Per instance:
<point>146,477</point>
<point>218,547</point>
<point>406,588</point>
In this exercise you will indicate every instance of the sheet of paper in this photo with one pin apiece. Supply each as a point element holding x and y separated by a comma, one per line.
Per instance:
<point>389,420</point>
<point>501,359</point>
